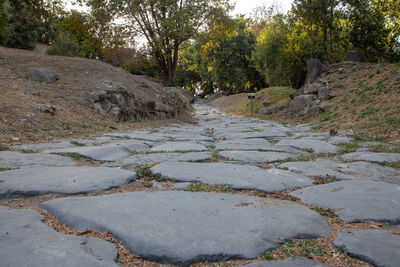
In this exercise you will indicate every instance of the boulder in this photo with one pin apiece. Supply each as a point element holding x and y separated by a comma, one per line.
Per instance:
<point>300,105</point>
<point>43,75</point>
<point>50,109</point>
<point>274,109</point>
<point>314,69</point>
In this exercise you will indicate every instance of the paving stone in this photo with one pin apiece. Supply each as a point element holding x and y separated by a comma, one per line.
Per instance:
<point>26,241</point>
<point>337,140</point>
<point>100,153</point>
<point>345,171</point>
<point>43,146</point>
<point>63,180</point>
<point>235,175</point>
<point>318,146</point>
<point>378,247</point>
<point>9,159</point>
<point>289,262</point>
<point>270,134</point>
<point>142,135</point>
<point>256,156</point>
<point>185,227</point>
<point>181,186</point>
<point>356,200</point>
<point>143,159</point>
<point>193,156</point>
<point>256,144</point>
<point>178,146</point>
<point>372,157</point>
<point>158,185</point>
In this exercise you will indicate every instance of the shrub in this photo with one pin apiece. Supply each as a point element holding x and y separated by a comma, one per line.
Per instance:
<point>64,46</point>
<point>4,27</point>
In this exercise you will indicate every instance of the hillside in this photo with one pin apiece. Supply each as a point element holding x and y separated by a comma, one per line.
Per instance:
<point>21,117</point>
<point>366,102</point>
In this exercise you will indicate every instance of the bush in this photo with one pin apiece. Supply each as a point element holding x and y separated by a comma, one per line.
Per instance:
<point>64,46</point>
<point>4,27</point>
<point>23,32</point>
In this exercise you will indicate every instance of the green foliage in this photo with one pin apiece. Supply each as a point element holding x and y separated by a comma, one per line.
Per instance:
<point>306,248</point>
<point>221,58</point>
<point>164,24</point>
<point>23,32</point>
<point>395,164</point>
<point>269,53</point>
<point>200,187</point>
<point>77,143</point>
<point>72,155</point>
<point>4,26</point>
<point>145,173</point>
<point>348,148</point>
<point>64,45</point>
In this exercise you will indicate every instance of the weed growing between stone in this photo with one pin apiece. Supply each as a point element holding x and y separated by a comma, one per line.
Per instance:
<point>348,148</point>
<point>6,169</point>
<point>72,155</point>
<point>385,148</point>
<point>200,187</point>
<point>323,179</point>
<point>395,164</point>
<point>77,143</point>
<point>27,151</point>
<point>145,173</point>
<point>326,212</point>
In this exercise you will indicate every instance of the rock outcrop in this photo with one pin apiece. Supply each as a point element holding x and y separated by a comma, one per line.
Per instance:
<point>122,105</point>
<point>307,100</point>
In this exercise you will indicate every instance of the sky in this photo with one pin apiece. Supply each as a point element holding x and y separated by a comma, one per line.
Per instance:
<point>241,7</point>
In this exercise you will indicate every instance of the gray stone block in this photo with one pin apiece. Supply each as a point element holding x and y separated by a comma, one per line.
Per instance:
<point>61,180</point>
<point>256,156</point>
<point>378,247</point>
<point>356,200</point>
<point>9,159</point>
<point>184,227</point>
<point>43,75</point>
<point>25,241</point>
<point>235,175</point>
<point>372,157</point>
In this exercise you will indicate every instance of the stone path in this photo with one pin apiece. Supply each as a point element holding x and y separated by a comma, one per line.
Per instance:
<point>269,186</point>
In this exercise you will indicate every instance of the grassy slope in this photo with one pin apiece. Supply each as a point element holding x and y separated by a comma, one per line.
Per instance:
<point>367,102</point>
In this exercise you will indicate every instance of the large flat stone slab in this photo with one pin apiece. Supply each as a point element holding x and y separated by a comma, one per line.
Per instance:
<point>110,152</point>
<point>184,227</point>
<point>378,247</point>
<point>142,135</point>
<point>318,146</point>
<point>345,171</point>
<point>25,241</point>
<point>356,200</point>
<point>289,262</point>
<point>372,157</point>
<point>256,156</point>
<point>101,153</point>
<point>144,159</point>
<point>178,146</point>
<point>9,159</point>
<point>256,144</point>
<point>235,175</point>
<point>61,180</point>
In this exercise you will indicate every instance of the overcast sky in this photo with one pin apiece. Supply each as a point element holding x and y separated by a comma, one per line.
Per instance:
<point>242,6</point>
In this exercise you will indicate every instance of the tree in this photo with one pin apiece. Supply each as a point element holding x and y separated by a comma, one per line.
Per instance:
<point>4,27</point>
<point>269,52</point>
<point>32,21</point>
<point>164,24</point>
